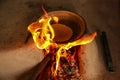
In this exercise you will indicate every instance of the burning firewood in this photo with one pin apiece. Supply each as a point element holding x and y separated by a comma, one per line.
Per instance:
<point>65,63</point>
<point>33,73</point>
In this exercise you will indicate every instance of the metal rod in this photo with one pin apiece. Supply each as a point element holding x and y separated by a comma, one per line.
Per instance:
<point>107,54</point>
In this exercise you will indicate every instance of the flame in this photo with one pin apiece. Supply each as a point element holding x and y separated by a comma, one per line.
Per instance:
<point>62,50</point>
<point>42,31</point>
<point>43,35</point>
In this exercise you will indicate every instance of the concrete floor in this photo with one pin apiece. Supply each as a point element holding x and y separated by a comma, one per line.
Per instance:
<point>17,57</point>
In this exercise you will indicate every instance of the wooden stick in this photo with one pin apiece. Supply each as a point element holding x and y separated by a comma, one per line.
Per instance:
<point>107,54</point>
<point>33,73</point>
<point>41,66</point>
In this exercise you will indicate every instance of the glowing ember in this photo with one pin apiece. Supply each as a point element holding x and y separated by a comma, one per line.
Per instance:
<point>43,35</point>
<point>62,50</point>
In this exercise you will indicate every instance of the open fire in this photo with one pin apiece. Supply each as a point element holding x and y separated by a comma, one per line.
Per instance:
<point>63,63</point>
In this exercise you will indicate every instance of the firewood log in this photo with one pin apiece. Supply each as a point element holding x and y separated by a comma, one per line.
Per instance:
<point>33,73</point>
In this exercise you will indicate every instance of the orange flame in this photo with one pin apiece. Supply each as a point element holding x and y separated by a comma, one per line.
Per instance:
<point>82,41</point>
<point>43,35</point>
<point>42,31</point>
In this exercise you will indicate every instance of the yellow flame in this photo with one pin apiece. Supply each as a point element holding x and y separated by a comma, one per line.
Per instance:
<point>42,32</point>
<point>43,35</point>
<point>82,41</point>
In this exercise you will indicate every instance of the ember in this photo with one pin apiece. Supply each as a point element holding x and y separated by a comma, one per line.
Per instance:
<point>64,64</point>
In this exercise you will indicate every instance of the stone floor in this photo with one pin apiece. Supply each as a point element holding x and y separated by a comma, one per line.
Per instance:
<point>16,57</point>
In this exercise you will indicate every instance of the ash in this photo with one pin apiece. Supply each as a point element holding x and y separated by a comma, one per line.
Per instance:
<point>69,70</point>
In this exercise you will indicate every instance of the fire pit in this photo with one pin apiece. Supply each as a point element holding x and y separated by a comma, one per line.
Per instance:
<point>60,34</point>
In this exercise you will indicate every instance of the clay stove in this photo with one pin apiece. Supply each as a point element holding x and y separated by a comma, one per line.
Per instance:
<point>60,34</point>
